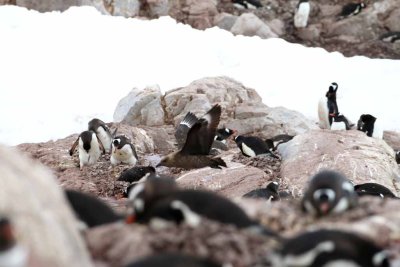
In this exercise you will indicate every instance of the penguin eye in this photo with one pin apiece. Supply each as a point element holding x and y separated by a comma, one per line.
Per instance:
<point>116,142</point>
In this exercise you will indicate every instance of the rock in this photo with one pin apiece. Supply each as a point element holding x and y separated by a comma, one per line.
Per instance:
<point>119,244</point>
<point>242,107</point>
<point>361,158</point>
<point>392,22</point>
<point>158,8</point>
<point>34,202</point>
<point>249,24</point>
<point>46,6</point>
<point>198,14</point>
<point>392,138</point>
<point>225,21</point>
<point>310,33</point>
<point>232,182</point>
<point>8,2</point>
<point>125,8</point>
<point>277,26</point>
<point>141,107</point>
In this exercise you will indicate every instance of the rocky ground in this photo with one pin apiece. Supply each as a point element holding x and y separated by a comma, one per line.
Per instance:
<point>360,158</point>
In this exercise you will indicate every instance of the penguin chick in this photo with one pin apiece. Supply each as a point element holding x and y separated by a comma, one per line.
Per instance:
<point>174,260</point>
<point>252,146</point>
<point>90,210</point>
<point>102,132</point>
<point>328,192</point>
<point>328,248</point>
<point>123,151</point>
<point>11,253</point>
<point>89,148</point>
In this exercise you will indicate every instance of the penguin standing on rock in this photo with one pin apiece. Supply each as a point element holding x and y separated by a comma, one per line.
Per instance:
<point>328,192</point>
<point>302,13</point>
<point>328,111</point>
<point>252,146</point>
<point>102,132</point>
<point>351,9</point>
<point>123,151</point>
<point>366,124</point>
<point>89,148</point>
<point>195,152</point>
<point>323,248</point>
<point>11,254</point>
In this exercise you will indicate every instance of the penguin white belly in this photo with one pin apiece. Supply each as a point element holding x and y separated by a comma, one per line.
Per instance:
<point>105,139</point>
<point>248,151</point>
<point>301,16</point>
<point>124,155</point>
<point>323,114</point>
<point>14,257</point>
<point>90,158</point>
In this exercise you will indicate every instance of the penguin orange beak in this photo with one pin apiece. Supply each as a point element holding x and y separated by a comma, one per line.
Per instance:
<point>324,207</point>
<point>130,219</point>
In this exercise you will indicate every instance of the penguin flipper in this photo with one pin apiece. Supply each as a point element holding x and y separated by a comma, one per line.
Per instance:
<point>74,145</point>
<point>101,145</point>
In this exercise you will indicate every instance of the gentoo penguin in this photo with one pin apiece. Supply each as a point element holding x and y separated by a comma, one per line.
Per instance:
<point>89,148</point>
<point>123,151</point>
<point>366,124</point>
<point>171,259</point>
<point>102,132</point>
<point>275,141</point>
<point>134,174</point>
<point>247,4</point>
<point>373,189</point>
<point>329,248</point>
<point>328,110</point>
<point>302,13</point>
<point>398,157</point>
<point>390,37</point>
<point>351,9</point>
<point>158,199</point>
<point>270,192</point>
<point>223,134</point>
<point>195,151</point>
<point>252,146</point>
<point>11,254</point>
<point>90,210</point>
<point>328,192</point>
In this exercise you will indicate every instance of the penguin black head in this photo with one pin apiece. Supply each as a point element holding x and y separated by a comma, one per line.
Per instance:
<point>120,141</point>
<point>333,87</point>
<point>86,138</point>
<point>328,192</point>
<point>398,157</point>
<point>6,234</point>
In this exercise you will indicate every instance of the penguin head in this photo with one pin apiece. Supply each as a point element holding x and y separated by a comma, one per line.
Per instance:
<point>239,139</point>
<point>328,192</point>
<point>273,186</point>
<point>362,5</point>
<point>333,87</point>
<point>6,234</point>
<point>86,138</point>
<point>398,157</point>
<point>120,141</point>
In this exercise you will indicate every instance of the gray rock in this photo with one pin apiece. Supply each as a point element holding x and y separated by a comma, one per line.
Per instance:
<point>198,14</point>
<point>310,33</point>
<point>362,159</point>
<point>392,138</point>
<point>45,6</point>
<point>158,8</point>
<point>249,24</point>
<point>42,219</point>
<point>392,22</point>
<point>277,26</point>
<point>126,8</point>
<point>141,107</point>
<point>225,21</point>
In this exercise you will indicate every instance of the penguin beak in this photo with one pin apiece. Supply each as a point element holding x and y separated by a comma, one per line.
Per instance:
<point>130,219</point>
<point>324,207</point>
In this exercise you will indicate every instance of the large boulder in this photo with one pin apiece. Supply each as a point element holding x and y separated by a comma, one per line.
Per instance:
<point>141,107</point>
<point>249,24</point>
<point>361,158</point>
<point>44,223</point>
<point>243,109</point>
<point>392,138</point>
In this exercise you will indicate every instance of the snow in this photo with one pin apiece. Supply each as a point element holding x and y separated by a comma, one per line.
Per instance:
<point>59,70</point>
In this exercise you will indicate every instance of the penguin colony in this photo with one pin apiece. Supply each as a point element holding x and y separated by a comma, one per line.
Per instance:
<point>154,199</point>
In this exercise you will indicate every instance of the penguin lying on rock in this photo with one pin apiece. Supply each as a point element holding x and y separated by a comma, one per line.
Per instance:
<point>373,189</point>
<point>329,248</point>
<point>252,146</point>
<point>123,151</point>
<point>328,192</point>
